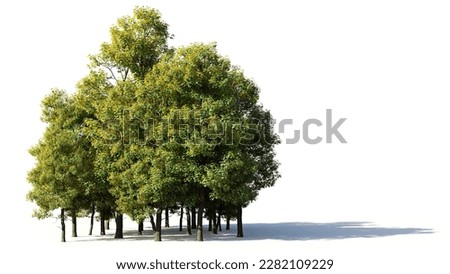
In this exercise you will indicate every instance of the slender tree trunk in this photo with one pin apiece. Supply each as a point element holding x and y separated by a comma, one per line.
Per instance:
<point>219,221</point>
<point>140,227</point>
<point>107,224</point>
<point>210,223</point>
<point>200,223</point>
<point>119,226</point>
<point>228,223</point>
<point>188,222</point>
<point>63,226</point>
<point>102,222</point>
<point>215,224</point>
<point>240,228</point>
<point>152,221</point>
<point>92,220</point>
<point>74,224</point>
<point>157,233</point>
<point>181,219</point>
<point>200,216</point>
<point>194,218</point>
<point>166,219</point>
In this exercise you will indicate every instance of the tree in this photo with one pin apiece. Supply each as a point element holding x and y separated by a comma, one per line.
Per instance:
<point>62,161</point>
<point>91,91</point>
<point>248,166</point>
<point>137,42</point>
<point>209,133</point>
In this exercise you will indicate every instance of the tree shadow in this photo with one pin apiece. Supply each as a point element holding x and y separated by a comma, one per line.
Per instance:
<point>289,231</point>
<point>297,231</point>
<point>167,234</point>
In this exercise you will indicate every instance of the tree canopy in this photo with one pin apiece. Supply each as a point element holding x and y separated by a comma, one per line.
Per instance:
<point>153,127</point>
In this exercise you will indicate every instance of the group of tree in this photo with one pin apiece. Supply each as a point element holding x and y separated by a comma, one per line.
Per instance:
<point>153,128</point>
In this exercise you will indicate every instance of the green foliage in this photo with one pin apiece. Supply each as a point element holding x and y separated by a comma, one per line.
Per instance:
<point>62,158</point>
<point>152,127</point>
<point>212,132</point>
<point>137,42</point>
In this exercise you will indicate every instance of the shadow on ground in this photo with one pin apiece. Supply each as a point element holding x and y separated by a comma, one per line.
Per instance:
<point>291,231</point>
<point>324,231</point>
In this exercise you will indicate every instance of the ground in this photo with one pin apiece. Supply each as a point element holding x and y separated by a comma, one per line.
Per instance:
<point>354,247</point>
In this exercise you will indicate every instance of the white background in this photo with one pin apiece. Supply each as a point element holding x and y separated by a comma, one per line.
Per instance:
<point>383,65</point>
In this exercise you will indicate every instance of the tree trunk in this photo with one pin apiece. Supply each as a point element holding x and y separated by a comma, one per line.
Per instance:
<point>240,228</point>
<point>92,220</point>
<point>74,223</point>
<point>188,222</point>
<point>107,224</point>
<point>119,226</point>
<point>166,219</point>
<point>193,219</point>
<point>210,223</point>
<point>157,233</point>
<point>152,221</point>
<point>219,221</point>
<point>200,216</point>
<point>228,223</point>
<point>215,224</point>
<point>181,219</point>
<point>200,223</point>
<point>63,226</point>
<point>140,227</point>
<point>102,222</point>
